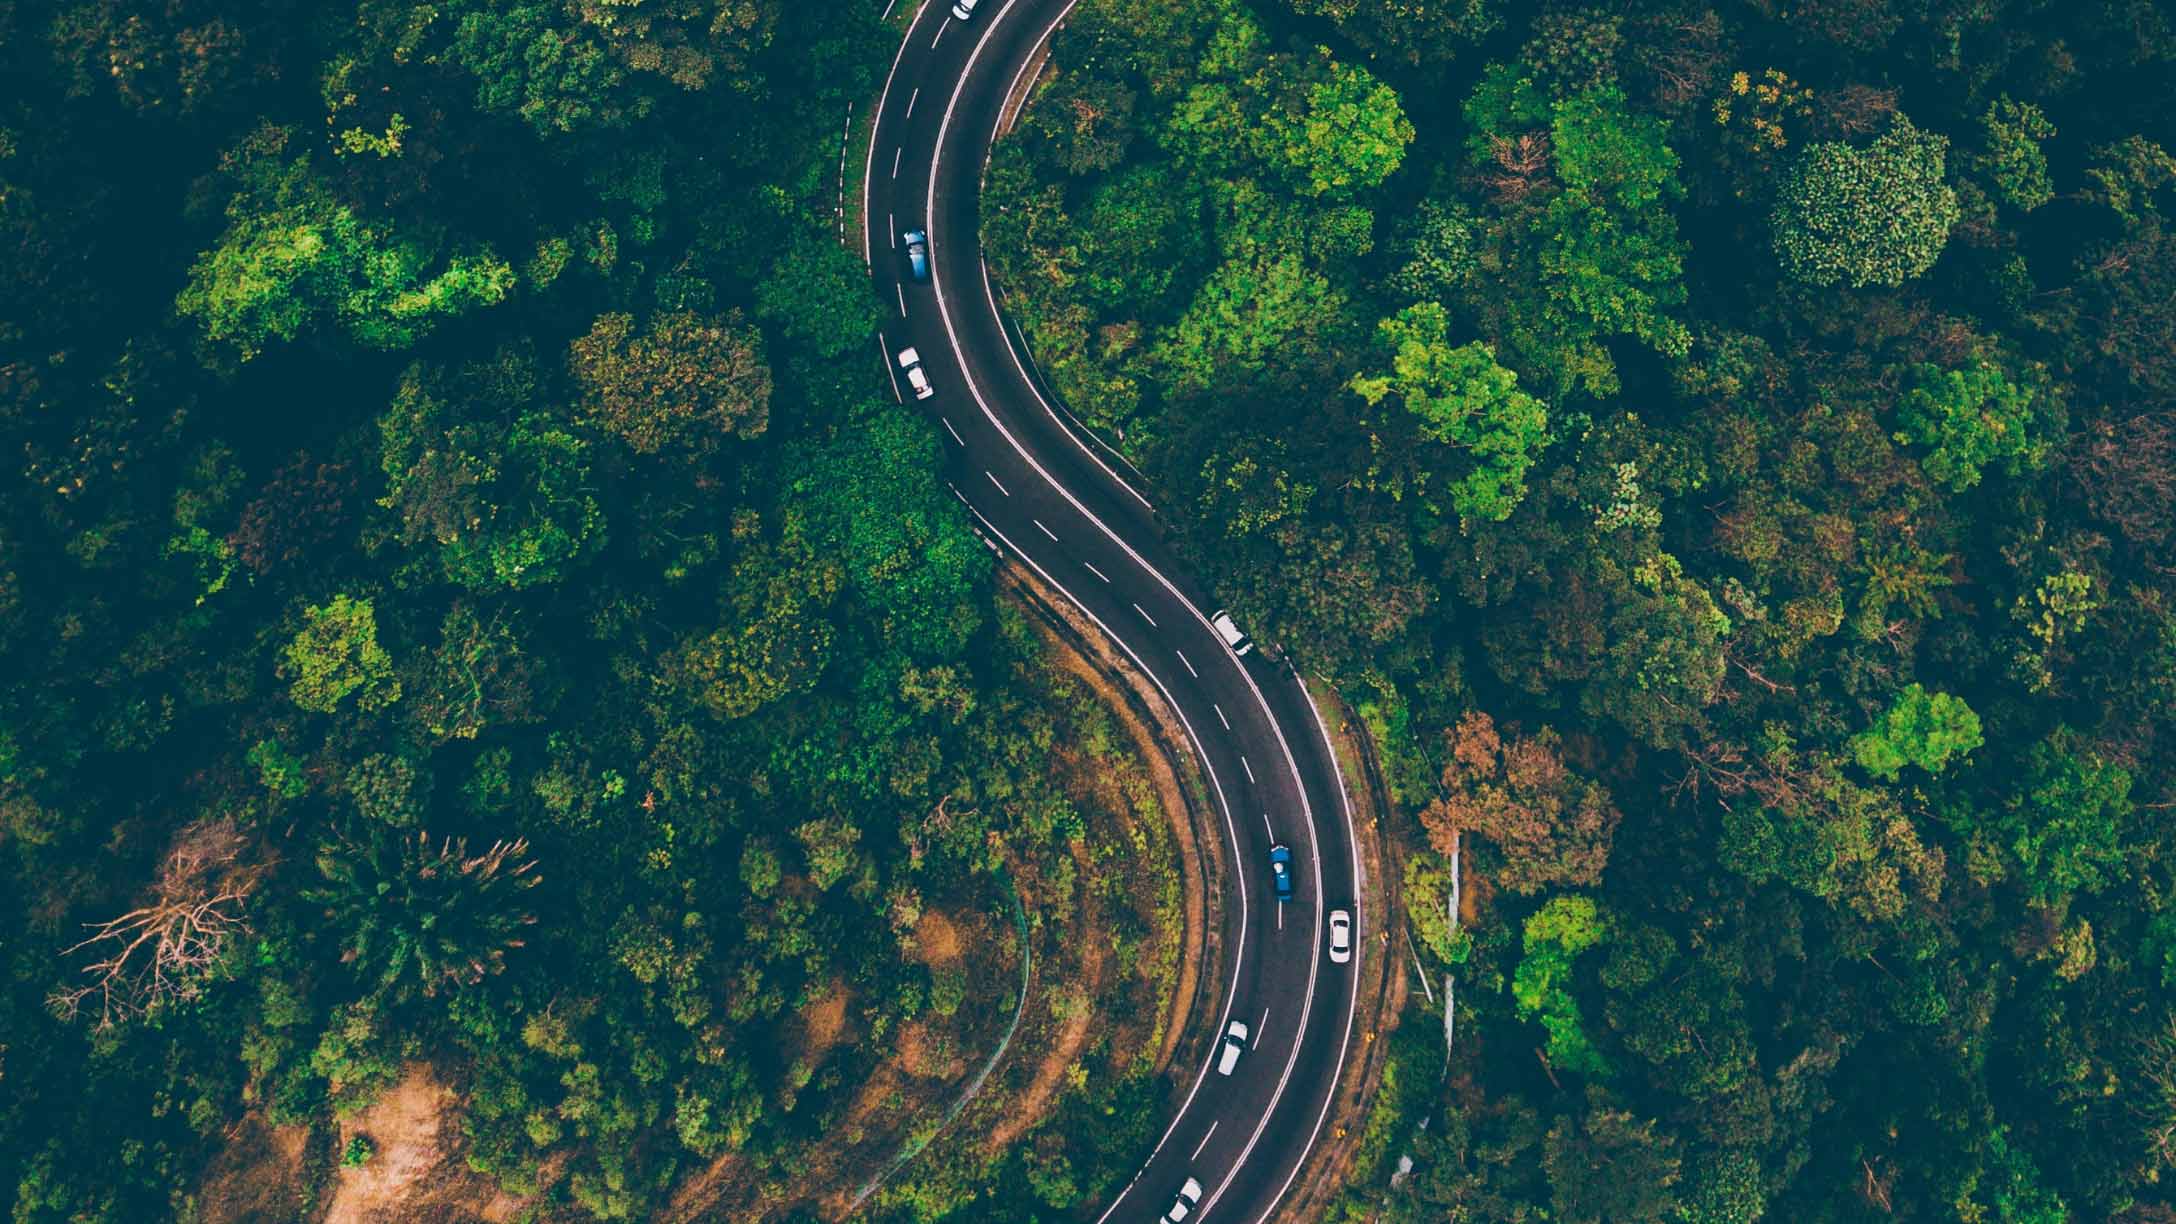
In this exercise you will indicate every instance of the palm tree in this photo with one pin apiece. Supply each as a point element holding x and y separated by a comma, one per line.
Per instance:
<point>414,917</point>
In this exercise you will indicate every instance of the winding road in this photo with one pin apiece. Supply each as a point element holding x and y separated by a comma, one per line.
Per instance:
<point>1046,495</point>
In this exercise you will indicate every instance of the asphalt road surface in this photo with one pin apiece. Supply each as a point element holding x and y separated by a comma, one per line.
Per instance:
<point>1048,496</point>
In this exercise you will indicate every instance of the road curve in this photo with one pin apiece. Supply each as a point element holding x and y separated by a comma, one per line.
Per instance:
<point>1056,501</point>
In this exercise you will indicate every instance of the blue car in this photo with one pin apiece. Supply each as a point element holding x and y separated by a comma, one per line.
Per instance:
<point>917,244</point>
<point>1280,871</point>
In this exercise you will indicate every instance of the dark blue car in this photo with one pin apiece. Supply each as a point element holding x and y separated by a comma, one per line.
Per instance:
<point>1280,870</point>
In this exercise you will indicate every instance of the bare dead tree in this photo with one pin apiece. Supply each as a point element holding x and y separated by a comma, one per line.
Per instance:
<point>162,950</point>
<point>1856,110</point>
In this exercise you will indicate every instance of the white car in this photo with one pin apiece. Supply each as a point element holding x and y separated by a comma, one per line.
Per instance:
<point>1183,1205</point>
<point>910,363</point>
<point>1235,1044</point>
<point>1229,631</point>
<point>1340,936</point>
<point>963,9</point>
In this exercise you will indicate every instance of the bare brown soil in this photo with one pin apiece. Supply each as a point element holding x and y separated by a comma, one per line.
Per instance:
<point>257,1178</point>
<point>416,1173</point>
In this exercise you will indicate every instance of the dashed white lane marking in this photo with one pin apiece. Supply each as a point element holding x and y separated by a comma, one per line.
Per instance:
<point>1249,768</point>
<point>1098,573</point>
<point>897,153</point>
<point>1267,829</point>
<point>1220,715</point>
<point>954,432</point>
<point>1259,1027</point>
<point>940,34</point>
<point>993,480</point>
<point>887,15</point>
<point>911,98</point>
<point>1045,530</point>
<point>901,290</point>
<point>1204,1142</point>
<point>1145,616</point>
<point>1280,917</point>
<point>1189,665</point>
<point>892,227</point>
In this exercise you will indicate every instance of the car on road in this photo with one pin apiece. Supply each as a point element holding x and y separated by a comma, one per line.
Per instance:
<point>1183,1203</point>
<point>910,364</point>
<point>963,9</point>
<point>1340,936</point>
<point>1229,631</point>
<point>1235,1044</point>
<point>916,243</point>
<point>1280,870</point>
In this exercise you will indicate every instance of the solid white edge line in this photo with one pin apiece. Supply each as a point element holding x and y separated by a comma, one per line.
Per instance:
<point>991,295</point>
<point>1224,805</point>
<point>876,127</point>
<point>889,370</point>
<point>1352,1005</point>
<point>1205,1136</point>
<point>1291,762</point>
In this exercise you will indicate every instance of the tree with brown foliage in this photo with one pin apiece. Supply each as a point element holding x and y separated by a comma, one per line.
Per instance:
<point>1552,826</point>
<point>682,383</point>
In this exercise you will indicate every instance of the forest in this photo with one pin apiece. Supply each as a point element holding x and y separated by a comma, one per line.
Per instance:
<point>1727,451</point>
<point>470,600</point>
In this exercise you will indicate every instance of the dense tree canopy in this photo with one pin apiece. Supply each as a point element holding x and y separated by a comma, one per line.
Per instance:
<point>1739,511</point>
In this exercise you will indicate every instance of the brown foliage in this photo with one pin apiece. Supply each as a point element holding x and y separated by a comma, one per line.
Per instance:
<point>2128,473</point>
<point>162,950</point>
<point>687,380</point>
<point>1522,166</point>
<point>1552,826</point>
<point>303,506</point>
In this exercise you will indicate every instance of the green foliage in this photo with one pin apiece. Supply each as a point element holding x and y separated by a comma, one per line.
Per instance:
<point>282,772</point>
<point>1554,937</point>
<point>293,260</point>
<point>413,919</point>
<point>1920,728</point>
<point>683,384</point>
<point>335,656</point>
<point>508,503</point>
<point>818,296</point>
<point>1971,419</point>
<point>1873,216</point>
<point>2011,158</point>
<point>1352,137</point>
<point>1463,400</point>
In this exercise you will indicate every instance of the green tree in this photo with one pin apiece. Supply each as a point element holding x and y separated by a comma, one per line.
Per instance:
<point>1971,419</point>
<point>1351,137</point>
<point>2011,158</point>
<point>415,919</point>
<point>1555,935</point>
<point>684,383</point>
<point>336,655</point>
<point>1463,400</point>
<point>293,259</point>
<point>818,296</point>
<point>1252,311</point>
<point>1921,728</point>
<point>1610,1166</point>
<point>1873,216</point>
<point>510,503</point>
<point>2066,826</point>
